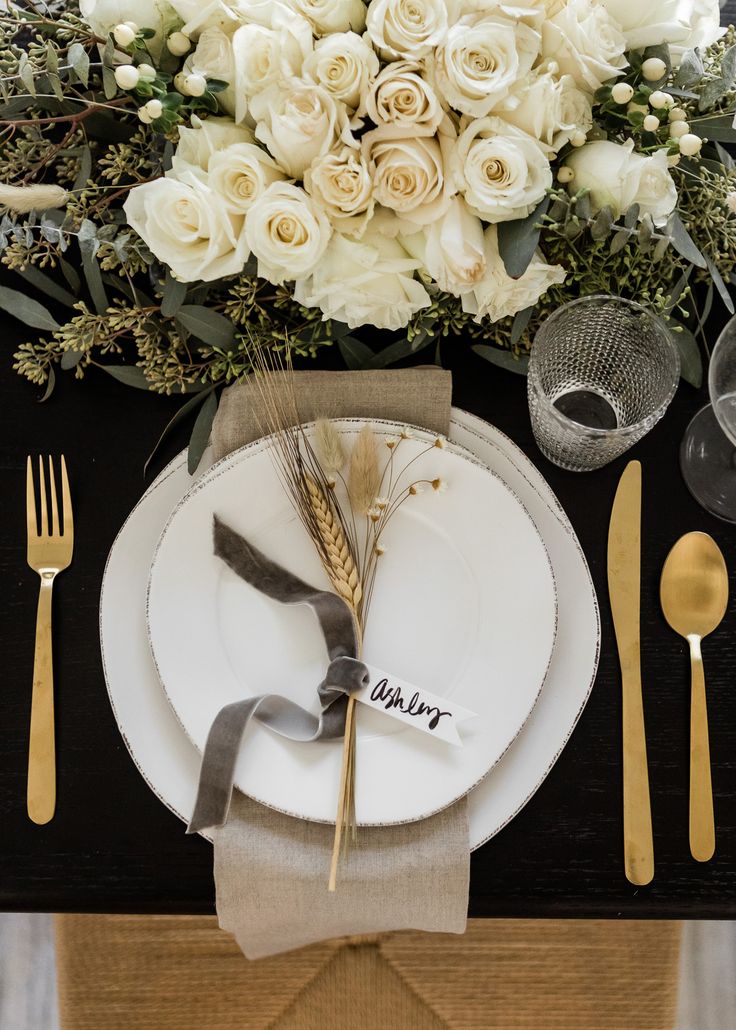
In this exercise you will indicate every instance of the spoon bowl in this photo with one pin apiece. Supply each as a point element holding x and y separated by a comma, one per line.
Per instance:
<point>694,596</point>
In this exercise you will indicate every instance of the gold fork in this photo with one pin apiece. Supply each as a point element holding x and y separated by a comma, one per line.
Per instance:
<point>50,546</point>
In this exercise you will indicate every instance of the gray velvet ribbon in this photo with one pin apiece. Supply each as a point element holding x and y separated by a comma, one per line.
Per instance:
<point>344,675</point>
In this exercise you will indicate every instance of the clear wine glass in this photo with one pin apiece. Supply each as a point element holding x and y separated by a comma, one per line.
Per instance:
<point>708,451</point>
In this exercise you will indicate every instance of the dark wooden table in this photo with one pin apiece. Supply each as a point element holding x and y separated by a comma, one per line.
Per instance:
<point>113,847</point>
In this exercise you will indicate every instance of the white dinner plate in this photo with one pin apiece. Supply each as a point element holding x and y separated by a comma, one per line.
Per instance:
<point>169,762</point>
<point>464,607</point>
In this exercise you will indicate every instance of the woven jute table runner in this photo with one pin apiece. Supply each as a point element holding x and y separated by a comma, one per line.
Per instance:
<point>183,973</point>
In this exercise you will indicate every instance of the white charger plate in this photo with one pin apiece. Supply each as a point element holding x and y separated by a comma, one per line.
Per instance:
<point>169,762</point>
<point>464,607</point>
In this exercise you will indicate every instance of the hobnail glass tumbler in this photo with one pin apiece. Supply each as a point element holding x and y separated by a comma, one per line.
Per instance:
<point>602,372</point>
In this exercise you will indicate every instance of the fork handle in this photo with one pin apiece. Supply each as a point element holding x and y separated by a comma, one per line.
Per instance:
<point>41,797</point>
<point>702,823</point>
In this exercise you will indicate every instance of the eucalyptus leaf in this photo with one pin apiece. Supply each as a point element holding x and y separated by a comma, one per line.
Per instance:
<point>131,375</point>
<point>521,321</point>
<point>55,83</point>
<point>398,350</point>
<point>174,295</point>
<point>691,69</point>
<point>96,288</point>
<point>46,285</point>
<point>189,405</point>
<point>663,245</point>
<point>354,353</point>
<point>602,224</point>
<point>707,306</point>
<point>682,241</point>
<point>715,127</point>
<point>518,239</point>
<point>71,358</point>
<point>26,310</point>
<point>728,66</point>
<point>79,60</point>
<point>201,432</point>
<point>50,384</point>
<point>691,362</point>
<point>109,85</point>
<point>583,207</point>
<point>207,325</point>
<point>724,157</point>
<point>632,216</point>
<point>712,93</point>
<point>70,274</point>
<point>503,358</point>
<point>85,169</point>
<point>719,284</point>
<point>619,241</point>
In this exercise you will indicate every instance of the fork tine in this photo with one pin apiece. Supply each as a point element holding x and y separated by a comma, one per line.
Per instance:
<point>54,506</point>
<point>66,500</point>
<point>31,519</point>
<point>42,495</point>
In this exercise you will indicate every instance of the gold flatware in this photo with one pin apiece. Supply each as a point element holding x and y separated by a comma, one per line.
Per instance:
<point>694,595</point>
<point>624,588</point>
<point>50,546</point>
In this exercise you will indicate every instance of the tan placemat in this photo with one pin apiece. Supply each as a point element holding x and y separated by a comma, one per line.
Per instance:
<point>183,973</point>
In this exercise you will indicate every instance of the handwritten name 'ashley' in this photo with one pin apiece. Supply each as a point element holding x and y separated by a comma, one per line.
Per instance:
<point>391,697</point>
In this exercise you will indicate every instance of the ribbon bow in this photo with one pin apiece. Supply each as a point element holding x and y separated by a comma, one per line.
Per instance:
<point>345,674</point>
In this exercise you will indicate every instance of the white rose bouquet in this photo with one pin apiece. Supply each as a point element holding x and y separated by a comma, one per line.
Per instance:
<point>294,171</point>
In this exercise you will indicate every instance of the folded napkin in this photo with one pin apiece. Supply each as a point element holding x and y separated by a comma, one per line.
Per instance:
<point>271,870</point>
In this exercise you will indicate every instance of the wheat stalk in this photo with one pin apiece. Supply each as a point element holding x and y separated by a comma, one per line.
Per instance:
<point>336,554</point>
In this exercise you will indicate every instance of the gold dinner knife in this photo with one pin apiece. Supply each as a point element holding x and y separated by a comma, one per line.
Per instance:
<point>624,588</point>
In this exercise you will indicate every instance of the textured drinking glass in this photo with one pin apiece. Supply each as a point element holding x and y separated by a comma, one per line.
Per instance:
<point>602,372</point>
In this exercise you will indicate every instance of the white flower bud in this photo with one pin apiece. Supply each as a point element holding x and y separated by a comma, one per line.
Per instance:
<point>690,144</point>
<point>178,44</point>
<point>673,160</point>
<point>565,174</point>
<point>123,34</point>
<point>651,123</point>
<point>131,25</point>
<point>622,92</point>
<point>659,100</point>
<point>731,202</point>
<point>155,108</point>
<point>676,114</point>
<point>196,85</point>
<point>679,129</point>
<point>578,138</point>
<point>126,76</point>
<point>653,69</point>
<point>144,116</point>
<point>147,72</point>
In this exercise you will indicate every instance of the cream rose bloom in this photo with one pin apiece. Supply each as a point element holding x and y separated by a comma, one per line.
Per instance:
<point>618,178</point>
<point>299,123</point>
<point>407,28</point>
<point>103,15</point>
<point>549,108</point>
<point>482,58</point>
<point>188,226</point>
<point>213,58</point>
<point>265,56</point>
<point>341,184</point>
<point>452,249</point>
<point>198,17</point>
<point>666,21</point>
<point>241,173</point>
<point>344,64</point>
<point>287,232</point>
<point>502,171</point>
<point>408,173</point>
<point>364,282</point>
<point>269,13</point>
<point>584,40</point>
<point>328,16</point>
<point>197,144</point>
<point>401,97</point>
<point>499,296</point>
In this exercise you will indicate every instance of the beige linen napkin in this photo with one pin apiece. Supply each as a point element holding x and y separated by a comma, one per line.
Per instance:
<point>271,870</point>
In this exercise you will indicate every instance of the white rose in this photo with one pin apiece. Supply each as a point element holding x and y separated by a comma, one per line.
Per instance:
<point>408,173</point>
<point>213,58</point>
<point>585,41</point>
<point>269,13</point>
<point>502,171</point>
<point>345,65</point>
<point>341,184</point>
<point>499,296</point>
<point>407,28</point>
<point>266,56</point>
<point>299,123</point>
<point>481,59</point>
<point>618,178</point>
<point>364,282</point>
<point>452,249</point>
<point>103,15</point>
<point>198,17</point>
<point>188,227</point>
<point>241,174</point>
<point>197,144</point>
<point>550,109</point>
<point>287,232</point>
<point>402,98</point>
<point>666,21</point>
<point>328,16</point>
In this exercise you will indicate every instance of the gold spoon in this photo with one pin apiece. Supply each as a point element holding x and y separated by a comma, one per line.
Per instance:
<point>694,595</point>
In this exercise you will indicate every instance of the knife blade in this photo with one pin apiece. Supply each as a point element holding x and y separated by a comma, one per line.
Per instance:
<point>624,589</point>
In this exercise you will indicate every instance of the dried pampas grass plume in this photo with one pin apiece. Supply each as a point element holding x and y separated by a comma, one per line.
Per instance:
<point>22,199</point>
<point>364,480</point>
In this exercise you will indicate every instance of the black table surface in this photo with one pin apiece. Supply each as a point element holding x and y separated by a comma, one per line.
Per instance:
<point>113,847</point>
